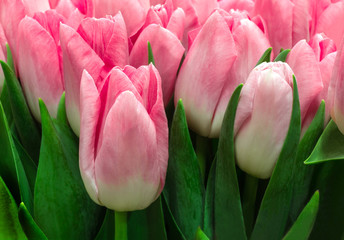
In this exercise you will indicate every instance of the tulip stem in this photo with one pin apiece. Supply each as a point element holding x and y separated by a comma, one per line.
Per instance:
<point>249,202</point>
<point>121,232</point>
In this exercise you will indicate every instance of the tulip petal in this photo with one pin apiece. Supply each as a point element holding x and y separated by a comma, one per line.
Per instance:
<point>90,109</point>
<point>128,175</point>
<point>301,19</point>
<point>134,12</point>
<point>278,16</point>
<point>39,67</point>
<point>204,73</point>
<point>264,132</point>
<point>167,52</point>
<point>329,22</point>
<point>77,56</point>
<point>176,23</point>
<point>108,38</point>
<point>251,44</point>
<point>308,76</point>
<point>242,5</point>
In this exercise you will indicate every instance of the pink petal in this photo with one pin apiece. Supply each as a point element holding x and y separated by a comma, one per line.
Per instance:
<point>134,12</point>
<point>301,19</point>
<point>204,73</point>
<point>204,8</point>
<point>90,110</point>
<point>251,43</point>
<point>278,16</point>
<point>39,67</point>
<point>305,66</point>
<point>128,175</point>
<point>77,56</point>
<point>241,5</point>
<point>33,6</point>
<point>329,22</point>
<point>260,139</point>
<point>108,38</point>
<point>167,52</point>
<point>176,23</point>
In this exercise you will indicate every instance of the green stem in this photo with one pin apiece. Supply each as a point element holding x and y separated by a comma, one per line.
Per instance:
<point>202,151</point>
<point>249,201</point>
<point>121,232</point>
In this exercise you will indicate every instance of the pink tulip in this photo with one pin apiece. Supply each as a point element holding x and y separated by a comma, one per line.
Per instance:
<point>243,5</point>
<point>287,21</point>
<point>221,57</point>
<point>330,21</point>
<point>325,54</point>
<point>336,89</point>
<point>39,61</point>
<point>262,118</point>
<point>127,113</point>
<point>134,11</point>
<point>163,29</point>
<point>3,54</point>
<point>97,46</point>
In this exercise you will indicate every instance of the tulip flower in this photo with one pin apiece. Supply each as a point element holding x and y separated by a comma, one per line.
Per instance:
<point>134,11</point>
<point>164,29</point>
<point>127,113</point>
<point>287,21</point>
<point>262,118</point>
<point>3,53</point>
<point>221,56</point>
<point>39,61</point>
<point>97,46</point>
<point>336,89</point>
<point>227,5</point>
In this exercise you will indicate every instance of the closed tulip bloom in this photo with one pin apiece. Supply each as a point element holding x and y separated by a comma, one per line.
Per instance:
<point>39,61</point>
<point>127,113</point>
<point>98,45</point>
<point>221,56</point>
<point>336,89</point>
<point>164,28</point>
<point>262,118</point>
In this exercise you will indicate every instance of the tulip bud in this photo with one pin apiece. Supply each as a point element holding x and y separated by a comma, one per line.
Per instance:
<point>127,113</point>
<point>262,118</point>
<point>39,61</point>
<point>221,56</point>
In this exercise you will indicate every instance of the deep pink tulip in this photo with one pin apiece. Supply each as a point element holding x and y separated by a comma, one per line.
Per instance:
<point>39,60</point>
<point>164,28</point>
<point>221,57</point>
<point>127,113</point>
<point>336,89</point>
<point>262,118</point>
<point>287,21</point>
<point>134,11</point>
<point>97,46</point>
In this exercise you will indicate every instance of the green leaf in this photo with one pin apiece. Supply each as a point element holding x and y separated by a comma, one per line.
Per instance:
<point>172,229</point>
<point>265,57</point>
<point>9,57</point>
<point>150,54</point>
<point>107,230</point>
<point>228,218</point>
<point>61,110</point>
<point>9,223</point>
<point>303,173</point>
<point>208,225</point>
<point>274,209</point>
<point>183,187</point>
<point>60,199</point>
<point>5,101</point>
<point>282,56</point>
<point>302,228</point>
<point>329,147</point>
<point>29,226</point>
<point>329,180</point>
<point>25,124</point>
<point>200,235</point>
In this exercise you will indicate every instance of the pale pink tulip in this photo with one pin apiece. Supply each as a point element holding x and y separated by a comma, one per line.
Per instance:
<point>243,5</point>
<point>134,11</point>
<point>3,53</point>
<point>222,55</point>
<point>97,46</point>
<point>127,113</point>
<point>163,29</point>
<point>336,89</point>
<point>287,21</point>
<point>39,61</point>
<point>262,118</point>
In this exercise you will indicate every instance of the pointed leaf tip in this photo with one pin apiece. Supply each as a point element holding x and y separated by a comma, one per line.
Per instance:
<point>150,54</point>
<point>265,57</point>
